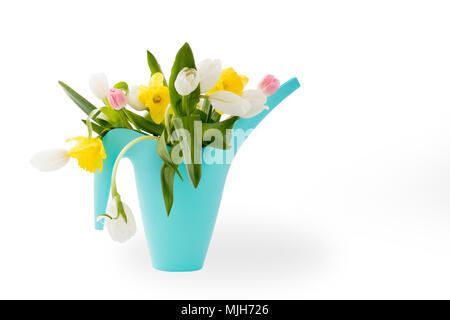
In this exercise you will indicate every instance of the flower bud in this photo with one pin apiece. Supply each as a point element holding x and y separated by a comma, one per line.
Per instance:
<point>118,229</point>
<point>269,85</point>
<point>187,81</point>
<point>117,98</point>
<point>133,99</point>
<point>99,85</point>
<point>209,71</point>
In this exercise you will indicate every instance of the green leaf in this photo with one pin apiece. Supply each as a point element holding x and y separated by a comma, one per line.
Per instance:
<point>163,152</point>
<point>95,127</point>
<point>202,114</point>
<point>221,138</point>
<point>104,123</point>
<point>110,118</point>
<point>146,115</point>
<point>102,134</point>
<point>193,100</point>
<point>81,102</point>
<point>122,86</point>
<point>125,121</point>
<point>110,115</point>
<point>154,65</point>
<point>145,124</point>
<point>206,105</point>
<point>215,116</point>
<point>167,179</point>
<point>189,133</point>
<point>184,59</point>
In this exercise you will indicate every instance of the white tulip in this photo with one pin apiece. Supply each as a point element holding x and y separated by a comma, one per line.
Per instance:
<point>99,85</point>
<point>118,229</point>
<point>210,71</point>
<point>257,99</point>
<point>230,103</point>
<point>133,99</point>
<point>51,159</point>
<point>187,81</point>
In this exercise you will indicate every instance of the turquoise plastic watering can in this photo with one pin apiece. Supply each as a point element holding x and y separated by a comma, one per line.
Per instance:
<point>178,242</point>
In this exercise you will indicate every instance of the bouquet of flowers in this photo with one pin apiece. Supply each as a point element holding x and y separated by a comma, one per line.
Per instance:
<point>195,107</point>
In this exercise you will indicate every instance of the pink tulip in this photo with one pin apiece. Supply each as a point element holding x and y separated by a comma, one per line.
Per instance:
<point>117,99</point>
<point>269,85</point>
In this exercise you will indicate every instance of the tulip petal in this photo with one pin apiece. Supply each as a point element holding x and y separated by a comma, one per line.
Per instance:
<point>99,85</point>
<point>210,71</point>
<point>187,81</point>
<point>257,99</point>
<point>50,160</point>
<point>133,99</point>
<point>118,229</point>
<point>269,85</point>
<point>255,111</point>
<point>117,98</point>
<point>230,103</point>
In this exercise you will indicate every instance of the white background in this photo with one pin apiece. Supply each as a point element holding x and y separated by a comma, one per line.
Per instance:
<point>342,192</point>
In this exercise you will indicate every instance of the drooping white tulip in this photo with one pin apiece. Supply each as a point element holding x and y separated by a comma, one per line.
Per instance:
<point>210,71</point>
<point>187,81</point>
<point>50,160</point>
<point>118,229</point>
<point>133,99</point>
<point>257,99</point>
<point>230,103</point>
<point>99,85</point>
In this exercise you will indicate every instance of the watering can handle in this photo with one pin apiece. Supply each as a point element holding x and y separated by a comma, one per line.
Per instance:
<point>282,93</point>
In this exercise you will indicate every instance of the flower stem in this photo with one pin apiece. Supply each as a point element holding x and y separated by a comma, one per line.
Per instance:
<point>167,124</point>
<point>114,192</point>
<point>184,104</point>
<point>89,123</point>
<point>124,119</point>
<point>209,110</point>
<point>131,120</point>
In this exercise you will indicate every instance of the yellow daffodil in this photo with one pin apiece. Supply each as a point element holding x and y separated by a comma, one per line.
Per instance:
<point>89,152</point>
<point>155,97</point>
<point>230,81</point>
